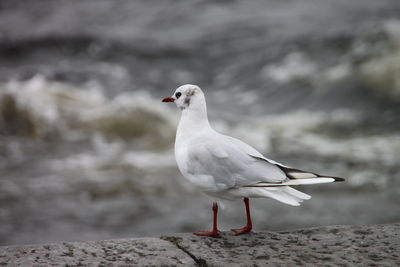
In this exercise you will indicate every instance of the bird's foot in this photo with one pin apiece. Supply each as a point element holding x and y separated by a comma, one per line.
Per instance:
<point>240,231</point>
<point>214,233</point>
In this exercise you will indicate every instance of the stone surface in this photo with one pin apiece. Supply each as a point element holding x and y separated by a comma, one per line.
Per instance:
<point>121,252</point>
<point>376,245</point>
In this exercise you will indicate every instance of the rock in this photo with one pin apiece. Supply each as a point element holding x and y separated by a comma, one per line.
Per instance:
<point>376,245</point>
<point>336,245</point>
<point>127,252</point>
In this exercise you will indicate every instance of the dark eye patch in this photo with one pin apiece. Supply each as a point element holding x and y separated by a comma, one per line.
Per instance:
<point>178,94</point>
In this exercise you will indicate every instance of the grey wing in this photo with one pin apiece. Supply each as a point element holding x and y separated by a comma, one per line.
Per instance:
<point>230,164</point>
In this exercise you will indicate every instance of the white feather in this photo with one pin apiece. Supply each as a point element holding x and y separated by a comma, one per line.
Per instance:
<point>301,175</point>
<point>319,180</point>
<point>283,194</point>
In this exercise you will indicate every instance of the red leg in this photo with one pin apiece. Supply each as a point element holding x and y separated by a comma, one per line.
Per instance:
<point>249,225</point>
<point>214,231</point>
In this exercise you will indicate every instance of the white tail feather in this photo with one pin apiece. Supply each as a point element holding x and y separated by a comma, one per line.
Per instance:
<point>284,194</point>
<point>301,175</point>
<point>319,180</point>
<point>297,193</point>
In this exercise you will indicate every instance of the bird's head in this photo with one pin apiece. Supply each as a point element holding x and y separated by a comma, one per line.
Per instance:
<point>185,96</point>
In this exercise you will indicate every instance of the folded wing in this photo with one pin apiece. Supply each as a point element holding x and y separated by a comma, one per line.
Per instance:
<point>232,163</point>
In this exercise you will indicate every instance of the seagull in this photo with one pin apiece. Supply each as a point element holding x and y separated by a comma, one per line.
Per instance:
<point>226,168</point>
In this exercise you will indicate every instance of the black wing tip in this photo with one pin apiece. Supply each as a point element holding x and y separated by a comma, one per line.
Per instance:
<point>288,169</point>
<point>339,179</point>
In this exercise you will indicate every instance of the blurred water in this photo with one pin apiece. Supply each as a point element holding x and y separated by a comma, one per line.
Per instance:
<point>86,146</point>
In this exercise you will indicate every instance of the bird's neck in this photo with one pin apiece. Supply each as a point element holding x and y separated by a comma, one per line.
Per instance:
<point>193,120</point>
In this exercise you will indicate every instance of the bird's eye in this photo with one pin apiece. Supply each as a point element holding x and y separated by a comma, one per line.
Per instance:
<point>178,94</point>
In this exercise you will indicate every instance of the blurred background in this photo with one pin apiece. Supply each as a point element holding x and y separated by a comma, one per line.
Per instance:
<point>86,146</point>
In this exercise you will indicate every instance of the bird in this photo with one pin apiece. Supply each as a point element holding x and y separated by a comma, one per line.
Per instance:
<point>224,167</point>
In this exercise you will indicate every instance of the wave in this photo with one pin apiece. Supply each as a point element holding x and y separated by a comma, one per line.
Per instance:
<point>49,110</point>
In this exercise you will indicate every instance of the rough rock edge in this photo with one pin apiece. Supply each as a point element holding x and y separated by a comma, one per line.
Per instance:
<point>176,241</point>
<point>375,245</point>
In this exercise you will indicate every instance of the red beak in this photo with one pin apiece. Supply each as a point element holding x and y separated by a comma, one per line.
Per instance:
<point>168,99</point>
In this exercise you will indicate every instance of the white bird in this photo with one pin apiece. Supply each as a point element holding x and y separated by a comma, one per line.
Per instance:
<point>225,167</point>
